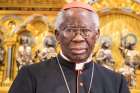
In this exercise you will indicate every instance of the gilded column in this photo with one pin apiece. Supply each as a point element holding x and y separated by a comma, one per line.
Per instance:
<point>9,69</point>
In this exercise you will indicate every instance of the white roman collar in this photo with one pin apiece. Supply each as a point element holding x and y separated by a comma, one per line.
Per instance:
<point>79,66</point>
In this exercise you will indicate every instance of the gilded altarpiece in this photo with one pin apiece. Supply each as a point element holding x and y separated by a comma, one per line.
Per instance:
<point>117,18</point>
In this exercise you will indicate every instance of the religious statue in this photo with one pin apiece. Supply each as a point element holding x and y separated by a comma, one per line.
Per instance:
<point>131,58</point>
<point>49,49</point>
<point>2,53</point>
<point>24,54</point>
<point>104,56</point>
<point>11,26</point>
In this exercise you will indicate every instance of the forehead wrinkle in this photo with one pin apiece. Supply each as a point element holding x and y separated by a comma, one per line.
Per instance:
<point>72,17</point>
<point>76,25</point>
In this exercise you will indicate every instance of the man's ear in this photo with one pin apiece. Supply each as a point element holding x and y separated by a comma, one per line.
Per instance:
<point>57,35</point>
<point>98,34</point>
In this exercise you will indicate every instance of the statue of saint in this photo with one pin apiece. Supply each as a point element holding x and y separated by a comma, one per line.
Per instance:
<point>12,27</point>
<point>2,53</point>
<point>131,60</point>
<point>104,56</point>
<point>49,49</point>
<point>24,53</point>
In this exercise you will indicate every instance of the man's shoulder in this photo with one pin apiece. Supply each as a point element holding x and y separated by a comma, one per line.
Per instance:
<point>42,66</point>
<point>106,73</point>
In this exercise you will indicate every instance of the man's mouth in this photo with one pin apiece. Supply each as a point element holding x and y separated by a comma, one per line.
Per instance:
<point>78,51</point>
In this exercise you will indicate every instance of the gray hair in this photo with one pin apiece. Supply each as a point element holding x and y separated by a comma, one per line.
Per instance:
<point>60,19</point>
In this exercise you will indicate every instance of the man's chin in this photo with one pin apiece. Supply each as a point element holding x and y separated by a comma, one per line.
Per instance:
<point>78,58</point>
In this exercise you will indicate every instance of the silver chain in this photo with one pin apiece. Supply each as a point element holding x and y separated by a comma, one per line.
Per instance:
<point>66,79</point>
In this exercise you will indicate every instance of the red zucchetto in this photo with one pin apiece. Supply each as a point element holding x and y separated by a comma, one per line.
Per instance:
<point>77,4</point>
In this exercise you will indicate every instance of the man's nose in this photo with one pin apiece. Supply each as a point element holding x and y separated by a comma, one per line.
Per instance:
<point>78,37</point>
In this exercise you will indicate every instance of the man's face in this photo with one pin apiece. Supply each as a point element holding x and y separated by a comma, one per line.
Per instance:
<point>77,35</point>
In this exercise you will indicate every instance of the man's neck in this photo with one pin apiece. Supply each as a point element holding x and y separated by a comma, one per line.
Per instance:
<point>79,66</point>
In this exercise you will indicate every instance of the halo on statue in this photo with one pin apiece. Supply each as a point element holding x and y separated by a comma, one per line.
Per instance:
<point>104,39</point>
<point>128,39</point>
<point>50,40</point>
<point>24,35</point>
<point>10,23</point>
<point>37,24</point>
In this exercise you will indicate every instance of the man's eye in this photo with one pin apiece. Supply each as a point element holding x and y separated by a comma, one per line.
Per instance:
<point>86,30</point>
<point>69,30</point>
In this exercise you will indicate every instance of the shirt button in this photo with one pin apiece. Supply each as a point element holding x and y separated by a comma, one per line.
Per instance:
<point>81,84</point>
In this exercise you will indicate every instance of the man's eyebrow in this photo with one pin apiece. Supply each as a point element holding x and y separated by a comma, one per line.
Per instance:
<point>79,26</point>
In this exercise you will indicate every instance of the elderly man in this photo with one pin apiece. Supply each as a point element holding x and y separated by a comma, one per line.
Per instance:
<point>73,70</point>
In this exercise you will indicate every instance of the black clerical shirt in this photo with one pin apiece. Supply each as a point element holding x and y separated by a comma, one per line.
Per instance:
<point>46,77</point>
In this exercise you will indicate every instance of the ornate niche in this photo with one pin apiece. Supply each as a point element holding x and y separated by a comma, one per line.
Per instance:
<point>38,25</point>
